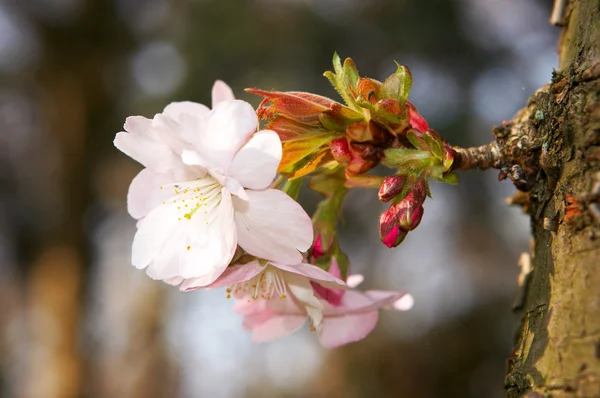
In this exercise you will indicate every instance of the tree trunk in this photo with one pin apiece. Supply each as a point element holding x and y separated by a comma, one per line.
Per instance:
<point>557,349</point>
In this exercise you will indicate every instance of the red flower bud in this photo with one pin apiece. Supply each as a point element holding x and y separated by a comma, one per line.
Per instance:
<point>364,157</point>
<point>417,121</point>
<point>317,250</point>
<point>341,151</point>
<point>390,232</point>
<point>394,237</point>
<point>391,187</point>
<point>419,190</point>
<point>409,212</point>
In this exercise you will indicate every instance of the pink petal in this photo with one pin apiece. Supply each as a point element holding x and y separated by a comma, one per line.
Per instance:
<point>314,273</point>
<point>221,92</point>
<point>231,275</point>
<point>342,330</point>
<point>145,193</point>
<point>277,326</point>
<point>352,321</point>
<point>255,165</point>
<point>271,225</point>
<point>269,319</point>
<point>362,302</point>
<point>228,127</point>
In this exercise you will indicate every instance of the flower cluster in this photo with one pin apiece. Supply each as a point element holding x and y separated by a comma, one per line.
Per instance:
<point>212,212</point>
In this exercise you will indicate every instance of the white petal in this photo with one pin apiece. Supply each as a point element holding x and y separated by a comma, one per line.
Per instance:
<point>229,125</point>
<point>354,280</point>
<point>142,143</point>
<point>236,189</point>
<point>304,293</point>
<point>175,109</point>
<point>158,227</point>
<point>255,165</point>
<point>221,92</point>
<point>271,225</point>
<point>211,247</point>
<point>192,158</point>
<point>145,193</point>
<point>405,303</point>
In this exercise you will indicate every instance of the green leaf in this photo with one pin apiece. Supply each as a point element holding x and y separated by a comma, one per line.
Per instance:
<point>450,178</point>
<point>437,173</point>
<point>339,118</point>
<point>350,72</point>
<point>435,146</point>
<point>341,82</point>
<point>398,157</point>
<point>417,140</point>
<point>398,85</point>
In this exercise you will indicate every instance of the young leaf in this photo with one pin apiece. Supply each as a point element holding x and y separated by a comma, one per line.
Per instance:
<point>397,86</point>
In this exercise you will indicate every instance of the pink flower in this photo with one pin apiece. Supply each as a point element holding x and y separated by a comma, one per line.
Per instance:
<point>346,315</point>
<point>205,189</point>
<point>265,287</point>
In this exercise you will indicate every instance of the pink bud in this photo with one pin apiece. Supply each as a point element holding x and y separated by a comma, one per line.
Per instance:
<point>340,150</point>
<point>317,250</point>
<point>419,191</point>
<point>417,121</point>
<point>409,213</point>
<point>394,237</point>
<point>390,232</point>
<point>391,187</point>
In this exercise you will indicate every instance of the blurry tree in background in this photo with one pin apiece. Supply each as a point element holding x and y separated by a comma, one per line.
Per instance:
<point>77,320</point>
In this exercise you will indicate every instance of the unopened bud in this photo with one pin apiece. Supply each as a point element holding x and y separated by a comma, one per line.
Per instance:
<point>419,191</point>
<point>391,187</point>
<point>317,250</point>
<point>417,121</point>
<point>409,212</point>
<point>394,237</point>
<point>390,232</point>
<point>364,157</point>
<point>447,156</point>
<point>340,150</point>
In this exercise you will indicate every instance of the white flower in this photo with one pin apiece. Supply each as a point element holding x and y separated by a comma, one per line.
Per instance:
<point>205,189</point>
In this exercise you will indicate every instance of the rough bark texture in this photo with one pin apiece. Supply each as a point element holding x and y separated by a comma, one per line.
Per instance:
<point>557,349</point>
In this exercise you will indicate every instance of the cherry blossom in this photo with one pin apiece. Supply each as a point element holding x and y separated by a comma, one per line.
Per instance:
<point>338,316</point>
<point>205,189</point>
<point>268,287</point>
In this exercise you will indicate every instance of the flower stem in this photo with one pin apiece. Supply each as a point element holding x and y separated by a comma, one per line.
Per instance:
<point>482,157</point>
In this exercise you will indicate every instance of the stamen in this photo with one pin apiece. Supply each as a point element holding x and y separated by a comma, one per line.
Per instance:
<point>265,285</point>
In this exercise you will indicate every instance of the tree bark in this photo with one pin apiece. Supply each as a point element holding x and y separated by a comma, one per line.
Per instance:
<point>557,349</point>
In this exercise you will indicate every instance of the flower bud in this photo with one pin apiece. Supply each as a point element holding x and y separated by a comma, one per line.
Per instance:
<point>391,187</point>
<point>417,121</point>
<point>447,156</point>
<point>340,150</point>
<point>364,157</point>
<point>394,237</point>
<point>390,232</point>
<point>419,191</point>
<point>317,250</point>
<point>365,132</point>
<point>409,212</point>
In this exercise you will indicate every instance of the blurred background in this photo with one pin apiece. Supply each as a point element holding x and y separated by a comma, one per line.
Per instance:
<point>77,320</point>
